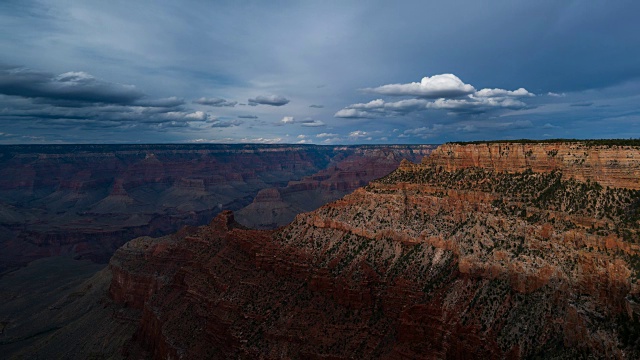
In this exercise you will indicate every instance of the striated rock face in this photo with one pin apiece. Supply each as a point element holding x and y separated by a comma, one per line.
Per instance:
<point>343,175</point>
<point>428,262</point>
<point>609,165</point>
<point>90,199</point>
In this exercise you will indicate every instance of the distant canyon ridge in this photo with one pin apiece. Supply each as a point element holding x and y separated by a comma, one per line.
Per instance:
<point>88,200</point>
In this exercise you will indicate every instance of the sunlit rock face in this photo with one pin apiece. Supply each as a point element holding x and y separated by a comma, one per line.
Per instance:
<point>456,257</point>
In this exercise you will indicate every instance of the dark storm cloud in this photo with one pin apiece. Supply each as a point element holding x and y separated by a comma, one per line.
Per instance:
<point>77,100</point>
<point>566,52</point>
<point>316,106</point>
<point>70,87</point>
<point>272,100</point>
<point>217,102</point>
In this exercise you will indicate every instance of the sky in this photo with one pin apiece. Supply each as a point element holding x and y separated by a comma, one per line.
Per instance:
<point>321,72</point>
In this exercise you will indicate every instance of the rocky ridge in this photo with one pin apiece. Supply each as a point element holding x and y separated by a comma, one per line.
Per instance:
<point>90,199</point>
<point>457,257</point>
<point>275,207</point>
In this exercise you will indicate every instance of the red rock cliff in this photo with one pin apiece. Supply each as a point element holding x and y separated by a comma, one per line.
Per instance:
<point>610,165</point>
<point>433,261</point>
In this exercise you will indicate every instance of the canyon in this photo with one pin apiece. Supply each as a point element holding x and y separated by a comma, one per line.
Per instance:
<point>486,250</point>
<point>88,200</point>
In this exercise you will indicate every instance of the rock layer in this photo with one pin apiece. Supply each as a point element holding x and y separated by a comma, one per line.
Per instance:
<point>437,260</point>
<point>278,206</point>
<point>610,165</point>
<point>90,199</point>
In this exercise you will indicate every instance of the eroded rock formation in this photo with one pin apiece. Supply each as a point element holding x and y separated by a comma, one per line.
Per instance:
<point>457,257</point>
<point>278,206</point>
<point>90,199</point>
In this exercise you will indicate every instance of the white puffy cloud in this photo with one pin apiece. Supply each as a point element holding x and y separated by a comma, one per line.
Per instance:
<point>521,92</point>
<point>436,86</point>
<point>326,135</point>
<point>439,92</point>
<point>197,116</point>
<point>373,104</point>
<point>352,114</point>
<point>288,120</point>
<point>470,103</point>
<point>358,134</point>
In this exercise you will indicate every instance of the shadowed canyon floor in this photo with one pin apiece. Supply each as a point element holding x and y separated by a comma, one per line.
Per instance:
<point>501,250</point>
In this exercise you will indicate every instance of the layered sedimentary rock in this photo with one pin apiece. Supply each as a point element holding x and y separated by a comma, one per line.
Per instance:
<point>615,165</point>
<point>91,199</point>
<point>278,206</point>
<point>435,260</point>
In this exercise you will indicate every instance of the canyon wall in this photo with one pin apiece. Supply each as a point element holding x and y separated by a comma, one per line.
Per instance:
<point>610,165</point>
<point>90,199</point>
<point>275,207</point>
<point>473,258</point>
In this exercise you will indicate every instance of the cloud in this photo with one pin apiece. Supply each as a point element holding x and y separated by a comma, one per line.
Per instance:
<point>334,140</point>
<point>228,140</point>
<point>312,123</point>
<point>468,104</point>
<point>556,94</point>
<point>260,140</point>
<point>326,135</point>
<point>353,114</point>
<point>288,120</point>
<point>75,86</point>
<point>436,86</point>
<point>217,102</point>
<point>452,95</point>
<point>225,124</point>
<point>521,92</point>
<point>476,104</point>
<point>198,116</point>
<point>247,117</point>
<point>358,134</point>
<point>316,106</point>
<point>272,100</point>
<point>373,104</point>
